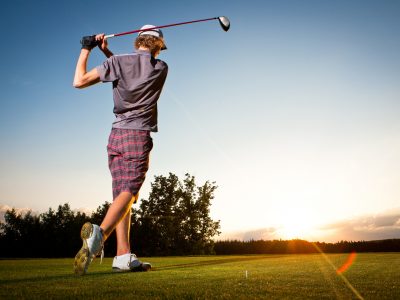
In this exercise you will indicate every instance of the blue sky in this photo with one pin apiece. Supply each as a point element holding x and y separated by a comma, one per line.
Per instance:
<point>294,112</point>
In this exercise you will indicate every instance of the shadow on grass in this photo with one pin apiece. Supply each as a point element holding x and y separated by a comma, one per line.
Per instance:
<point>214,262</point>
<point>100,274</point>
<point>44,278</point>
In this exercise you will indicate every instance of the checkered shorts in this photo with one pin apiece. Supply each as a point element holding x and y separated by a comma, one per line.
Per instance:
<point>128,159</point>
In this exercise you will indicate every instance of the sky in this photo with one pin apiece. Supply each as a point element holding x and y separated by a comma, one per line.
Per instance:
<point>294,112</point>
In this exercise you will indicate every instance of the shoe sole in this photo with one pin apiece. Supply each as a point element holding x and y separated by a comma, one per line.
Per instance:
<point>82,259</point>
<point>141,268</point>
<point>145,267</point>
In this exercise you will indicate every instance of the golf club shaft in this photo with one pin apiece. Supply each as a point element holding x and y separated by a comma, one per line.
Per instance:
<point>156,27</point>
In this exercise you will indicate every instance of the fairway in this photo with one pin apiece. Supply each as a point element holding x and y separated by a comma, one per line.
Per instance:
<point>370,276</point>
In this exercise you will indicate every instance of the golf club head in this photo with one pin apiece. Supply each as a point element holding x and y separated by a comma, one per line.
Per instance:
<point>224,22</point>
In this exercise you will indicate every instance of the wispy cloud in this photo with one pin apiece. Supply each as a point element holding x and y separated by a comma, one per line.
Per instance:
<point>85,210</point>
<point>270,233</point>
<point>383,225</point>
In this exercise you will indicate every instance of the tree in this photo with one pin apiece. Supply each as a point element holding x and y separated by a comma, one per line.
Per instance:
<point>60,231</point>
<point>19,235</point>
<point>175,219</point>
<point>197,228</point>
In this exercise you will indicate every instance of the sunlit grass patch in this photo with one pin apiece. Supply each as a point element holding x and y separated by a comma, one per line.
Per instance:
<point>374,276</point>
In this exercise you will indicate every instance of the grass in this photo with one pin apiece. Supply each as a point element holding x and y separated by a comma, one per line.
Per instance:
<point>371,276</point>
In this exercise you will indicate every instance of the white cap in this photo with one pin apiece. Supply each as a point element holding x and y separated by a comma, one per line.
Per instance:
<point>152,31</point>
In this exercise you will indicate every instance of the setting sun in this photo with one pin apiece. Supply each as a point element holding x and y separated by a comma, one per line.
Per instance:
<point>297,223</point>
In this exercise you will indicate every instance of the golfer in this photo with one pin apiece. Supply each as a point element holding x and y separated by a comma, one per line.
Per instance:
<point>137,80</point>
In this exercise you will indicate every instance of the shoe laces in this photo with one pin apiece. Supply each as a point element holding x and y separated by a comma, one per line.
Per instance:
<point>102,255</point>
<point>132,258</point>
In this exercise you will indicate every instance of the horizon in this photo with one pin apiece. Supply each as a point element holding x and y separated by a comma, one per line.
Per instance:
<point>377,228</point>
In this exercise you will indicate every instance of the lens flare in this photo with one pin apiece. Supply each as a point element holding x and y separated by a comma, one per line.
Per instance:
<point>341,275</point>
<point>348,263</point>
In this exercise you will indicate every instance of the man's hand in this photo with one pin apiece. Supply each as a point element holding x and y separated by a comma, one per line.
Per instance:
<point>101,41</point>
<point>89,42</point>
<point>103,44</point>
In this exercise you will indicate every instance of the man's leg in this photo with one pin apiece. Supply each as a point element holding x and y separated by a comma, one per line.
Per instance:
<point>116,213</point>
<point>119,217</point>
<point>122,230</point>
<point>94,236</point>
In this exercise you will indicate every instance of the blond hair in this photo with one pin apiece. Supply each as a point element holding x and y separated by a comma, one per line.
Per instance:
<point>153,43</point>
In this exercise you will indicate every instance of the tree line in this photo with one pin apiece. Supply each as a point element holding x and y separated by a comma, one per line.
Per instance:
<point>298,246</point>
<point>174,220</point>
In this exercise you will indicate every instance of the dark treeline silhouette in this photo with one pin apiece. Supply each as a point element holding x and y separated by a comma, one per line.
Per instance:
<point>156,230</point>
<point>174,220</point>
<point>302,247</point>
<point>54,233</point>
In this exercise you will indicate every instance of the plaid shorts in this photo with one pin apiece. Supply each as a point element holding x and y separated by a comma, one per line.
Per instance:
<point>128,159</point>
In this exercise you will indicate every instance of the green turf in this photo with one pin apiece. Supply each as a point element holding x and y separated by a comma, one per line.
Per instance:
<point>372,275</point>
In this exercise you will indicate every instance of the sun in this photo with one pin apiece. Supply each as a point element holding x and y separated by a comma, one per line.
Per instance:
<point>296,231</point>
<point>297,223</point>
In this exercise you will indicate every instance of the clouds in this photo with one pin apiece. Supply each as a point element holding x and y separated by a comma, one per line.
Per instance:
<point>384,225</point>
<point>270,233</point>
<point>379,226</point>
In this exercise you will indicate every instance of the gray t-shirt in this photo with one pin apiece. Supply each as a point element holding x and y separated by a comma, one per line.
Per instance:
<point>138,79</point>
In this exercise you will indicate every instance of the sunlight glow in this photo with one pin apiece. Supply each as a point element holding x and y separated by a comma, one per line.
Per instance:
<point>297,223</point>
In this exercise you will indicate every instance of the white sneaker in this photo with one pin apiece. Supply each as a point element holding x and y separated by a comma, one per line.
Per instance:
<point>92,246</point>
<point>129,263</point>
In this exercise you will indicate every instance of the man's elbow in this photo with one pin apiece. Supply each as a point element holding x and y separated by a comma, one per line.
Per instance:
<point>78,84</point>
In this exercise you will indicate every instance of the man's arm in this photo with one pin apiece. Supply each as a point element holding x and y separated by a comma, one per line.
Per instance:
<point>83,78</point>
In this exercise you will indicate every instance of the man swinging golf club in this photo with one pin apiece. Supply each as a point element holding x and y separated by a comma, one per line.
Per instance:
<point>137,80</point>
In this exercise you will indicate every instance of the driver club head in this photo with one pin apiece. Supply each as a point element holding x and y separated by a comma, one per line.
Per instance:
<point>224,22</point>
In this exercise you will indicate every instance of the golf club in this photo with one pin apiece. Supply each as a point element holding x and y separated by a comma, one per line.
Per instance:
<point>223,21</point>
